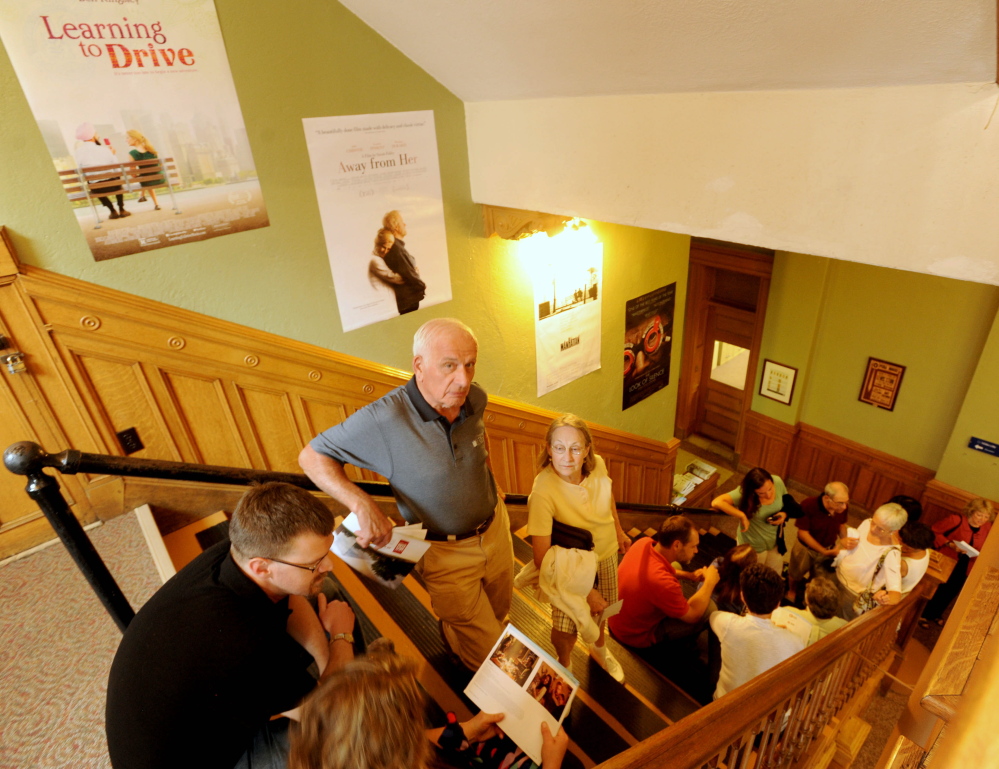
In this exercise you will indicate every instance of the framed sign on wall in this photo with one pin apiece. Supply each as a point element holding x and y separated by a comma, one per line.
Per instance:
<point>881,383</point>
<point>777,382</point>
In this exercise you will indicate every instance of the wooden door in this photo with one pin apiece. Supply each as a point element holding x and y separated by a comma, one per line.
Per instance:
<point>726,307</point>
<point>724,372</point>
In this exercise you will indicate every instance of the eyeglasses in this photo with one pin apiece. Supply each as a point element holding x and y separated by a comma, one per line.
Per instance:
<point>574,450</point>
<point>298,565</point>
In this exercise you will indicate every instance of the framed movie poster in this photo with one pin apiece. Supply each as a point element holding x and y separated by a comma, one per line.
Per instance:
<point>777,382</point>
<point>648,323</point>
<point>378,185</point>
<point>138,110</point>
<point>881,383</point>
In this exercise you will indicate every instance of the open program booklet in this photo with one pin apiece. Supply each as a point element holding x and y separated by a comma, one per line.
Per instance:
<point>521,681</point>
<point>388,564</point>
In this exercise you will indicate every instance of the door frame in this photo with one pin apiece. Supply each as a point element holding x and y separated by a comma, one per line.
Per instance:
<point>705,258</point>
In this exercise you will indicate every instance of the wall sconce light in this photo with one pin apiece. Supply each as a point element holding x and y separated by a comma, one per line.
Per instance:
<point>14,362</point>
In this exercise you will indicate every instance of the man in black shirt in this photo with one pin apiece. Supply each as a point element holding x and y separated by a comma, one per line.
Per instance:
<point>226,643</point>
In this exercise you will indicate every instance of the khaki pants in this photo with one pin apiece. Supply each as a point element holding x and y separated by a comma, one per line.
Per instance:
<point>802,563</point>
<point>471,588</point>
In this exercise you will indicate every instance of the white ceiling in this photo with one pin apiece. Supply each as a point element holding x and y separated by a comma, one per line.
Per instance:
<point>522,49</point>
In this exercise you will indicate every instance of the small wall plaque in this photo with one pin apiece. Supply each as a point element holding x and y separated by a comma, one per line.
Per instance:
<point>130,441</point>
<point>777,382</point>
<point>881,383</point>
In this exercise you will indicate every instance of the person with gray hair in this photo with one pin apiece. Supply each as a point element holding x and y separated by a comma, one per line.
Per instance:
<point>872,561</point>
<point>820,526</point>
<point>427,438</point>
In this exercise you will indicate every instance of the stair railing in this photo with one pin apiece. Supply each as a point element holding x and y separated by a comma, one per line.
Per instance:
<point>29,459</point>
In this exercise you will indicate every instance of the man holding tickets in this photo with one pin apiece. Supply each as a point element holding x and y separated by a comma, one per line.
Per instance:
<point>427,438</point>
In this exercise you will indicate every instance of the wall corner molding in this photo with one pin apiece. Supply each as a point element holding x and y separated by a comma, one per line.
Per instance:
<point>516,223</point>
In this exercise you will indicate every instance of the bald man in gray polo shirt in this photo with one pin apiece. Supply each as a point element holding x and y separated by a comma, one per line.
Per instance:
<point>428,439</point>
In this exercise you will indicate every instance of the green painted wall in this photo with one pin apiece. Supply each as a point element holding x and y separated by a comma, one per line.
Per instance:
<point>827,318</point>
<point>979,417</point>
<point>299,59</point>
<point>792,320</point>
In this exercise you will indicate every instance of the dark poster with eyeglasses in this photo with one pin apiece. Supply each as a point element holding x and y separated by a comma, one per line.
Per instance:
<point>648,340</point>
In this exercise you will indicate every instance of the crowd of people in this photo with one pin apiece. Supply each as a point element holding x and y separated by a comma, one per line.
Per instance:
<point>251,657</point>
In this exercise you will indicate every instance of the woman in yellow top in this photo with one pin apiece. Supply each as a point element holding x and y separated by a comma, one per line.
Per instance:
<point>152,175</point>
<point>573,487</point>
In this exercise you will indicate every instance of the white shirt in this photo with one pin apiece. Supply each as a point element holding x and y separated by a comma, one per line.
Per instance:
<point>855,568</point>
<point>750,646</point>
<point>917,568</point>
<point>90,154</point>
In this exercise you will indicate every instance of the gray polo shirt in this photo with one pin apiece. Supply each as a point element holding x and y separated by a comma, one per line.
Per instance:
<point>437,469</point>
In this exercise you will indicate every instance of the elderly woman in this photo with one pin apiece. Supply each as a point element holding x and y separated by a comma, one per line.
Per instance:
<point>573,487</point>
<point>759,506</point>
<point>370,715</point>
<point>971,526</point>
<point>871,561</point>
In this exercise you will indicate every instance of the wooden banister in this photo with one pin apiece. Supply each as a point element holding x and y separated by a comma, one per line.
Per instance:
<point>807,690</point>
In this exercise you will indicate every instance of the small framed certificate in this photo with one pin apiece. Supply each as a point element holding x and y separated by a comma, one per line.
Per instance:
<point>881,383</point>
<point>777,382</point>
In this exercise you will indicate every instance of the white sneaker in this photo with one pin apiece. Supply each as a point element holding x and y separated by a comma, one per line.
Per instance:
<point>607,661</point>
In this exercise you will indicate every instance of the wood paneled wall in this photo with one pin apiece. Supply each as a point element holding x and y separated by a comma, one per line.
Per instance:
<point>813,457</point>
<point>198,389</point>
<point>873,476</point>
<point>767,443</point>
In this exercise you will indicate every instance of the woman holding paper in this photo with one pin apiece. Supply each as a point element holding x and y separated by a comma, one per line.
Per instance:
<point>953,536</point>
<point>573,488</point>
<point>370,715</point>
<point>870,562</point>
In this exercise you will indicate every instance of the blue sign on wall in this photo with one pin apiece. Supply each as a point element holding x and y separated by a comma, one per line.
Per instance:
<point>987,447</point>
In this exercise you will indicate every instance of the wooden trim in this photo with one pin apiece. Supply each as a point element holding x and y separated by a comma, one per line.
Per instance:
<point>768,443</point>
<point>688,395</point>
<point>204,390</point>
<point>940,499</point>
<point>750,262</point>
<point>749,388</point>
<point>873,476</point>
<point>9,266</point>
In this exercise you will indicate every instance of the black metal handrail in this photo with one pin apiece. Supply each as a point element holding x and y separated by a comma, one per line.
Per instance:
<point>30,459</point>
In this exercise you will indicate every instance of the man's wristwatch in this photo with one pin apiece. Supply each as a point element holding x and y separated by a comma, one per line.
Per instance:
<point>348,637</point>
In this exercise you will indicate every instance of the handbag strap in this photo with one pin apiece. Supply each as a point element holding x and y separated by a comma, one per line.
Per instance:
<point>881,562</point>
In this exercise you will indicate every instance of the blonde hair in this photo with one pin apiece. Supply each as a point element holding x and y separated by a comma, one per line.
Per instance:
<point>979,505</point>
<point>369,715</point>
<point>141,139</point>
<point>383,239</point>
<point>569,420</point>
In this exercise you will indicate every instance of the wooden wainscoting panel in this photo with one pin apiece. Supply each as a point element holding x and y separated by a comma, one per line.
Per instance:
<point>321,413</point>
<point>201,389</point>
<point>273,427</point>
<point>768,443</point>
<point>941,499</point>
<point>123,400</point>
<point>873,476</point>
<point>204,414</point>
<point>524,466</point>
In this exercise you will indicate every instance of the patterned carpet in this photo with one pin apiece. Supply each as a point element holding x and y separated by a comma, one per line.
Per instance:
<point>56,647</point>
